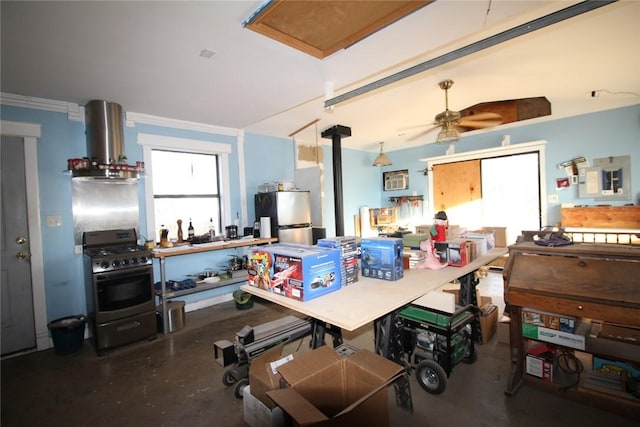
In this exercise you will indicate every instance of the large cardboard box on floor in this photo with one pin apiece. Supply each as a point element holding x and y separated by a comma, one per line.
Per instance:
<point>325,388</point>
<point>263,375</point>
<point>257,414</point>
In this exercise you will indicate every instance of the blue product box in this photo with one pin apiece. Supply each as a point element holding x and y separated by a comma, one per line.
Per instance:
<point>304,272</point>
<point>382,258</point>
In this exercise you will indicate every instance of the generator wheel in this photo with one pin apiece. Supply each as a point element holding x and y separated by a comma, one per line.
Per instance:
<point>431,377</point>
<point>470,356</point>
<point>470,353</point>
<point>241,385</point>
<point>228,379</point>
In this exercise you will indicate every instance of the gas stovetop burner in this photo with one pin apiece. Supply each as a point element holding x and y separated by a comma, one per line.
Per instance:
<point>112,250</point>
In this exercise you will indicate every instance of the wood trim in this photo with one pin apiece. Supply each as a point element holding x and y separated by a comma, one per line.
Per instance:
<point>619,217</point>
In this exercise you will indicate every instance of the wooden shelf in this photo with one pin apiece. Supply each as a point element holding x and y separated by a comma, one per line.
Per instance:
<point>618,217</point>
<point>208,247</point>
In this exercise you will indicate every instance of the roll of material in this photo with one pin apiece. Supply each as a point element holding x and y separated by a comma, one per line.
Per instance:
<point>265,227</point>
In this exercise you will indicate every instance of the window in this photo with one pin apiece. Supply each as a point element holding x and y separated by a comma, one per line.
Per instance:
<point>186,179</point>
<point>189,192</point>
<point>508,182</point>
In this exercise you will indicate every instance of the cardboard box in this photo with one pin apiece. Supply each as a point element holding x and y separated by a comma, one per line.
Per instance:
<point>300,272</point>
<point>614,368</point>
<point>257,414</point>
<point>413,240</point>
<point>488,321</point>
<point>457,252</point>
<point>503,330</point>
<point>574,340</point>
<point>499,234</point>
<point>324,387</point>
<point>423,229</point>
<point>539,362</point>
<point>485,240</point>
<point>555,321</point>
<point>441,251</point>
<point>382,258</point>
<point>261,375</point>
<point>480,299</point>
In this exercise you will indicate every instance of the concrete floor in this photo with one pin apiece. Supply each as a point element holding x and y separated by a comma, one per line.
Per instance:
<point>175,381</point>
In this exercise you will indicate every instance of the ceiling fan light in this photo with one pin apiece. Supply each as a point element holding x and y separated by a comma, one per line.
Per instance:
<point>382,159</point>
<point>448,134</point>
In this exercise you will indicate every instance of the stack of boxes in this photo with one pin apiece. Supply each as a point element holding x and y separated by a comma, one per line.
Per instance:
<point>349,256</point>
<point>549,330</point>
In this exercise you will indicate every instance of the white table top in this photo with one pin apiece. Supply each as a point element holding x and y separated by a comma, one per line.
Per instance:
<point>360,303</point>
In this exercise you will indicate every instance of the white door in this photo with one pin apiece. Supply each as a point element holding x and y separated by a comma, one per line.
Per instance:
<point>18,325</point>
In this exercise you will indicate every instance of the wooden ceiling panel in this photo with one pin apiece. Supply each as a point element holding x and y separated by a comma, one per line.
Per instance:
<point>323,27</point>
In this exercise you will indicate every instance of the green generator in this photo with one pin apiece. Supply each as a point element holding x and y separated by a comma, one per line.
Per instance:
<point>433,342</point>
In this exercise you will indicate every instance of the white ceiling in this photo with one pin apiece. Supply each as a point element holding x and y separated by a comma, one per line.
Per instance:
<point>145,56</point>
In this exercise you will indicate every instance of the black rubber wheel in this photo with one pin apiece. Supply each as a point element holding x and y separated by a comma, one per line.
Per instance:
<point>470,354</point>
<point>431,377</point>
<point>470,357</point>
<point>238,391</point>
<point>227,379</point>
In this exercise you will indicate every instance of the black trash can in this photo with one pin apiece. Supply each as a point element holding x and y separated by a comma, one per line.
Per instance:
<point>67,333</point>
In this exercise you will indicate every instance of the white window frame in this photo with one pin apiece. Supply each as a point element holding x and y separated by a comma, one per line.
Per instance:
<point>151,142</point>
<point>525,147</point>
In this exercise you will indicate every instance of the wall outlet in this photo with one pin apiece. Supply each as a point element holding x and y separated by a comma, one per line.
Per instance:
<point>54,221</point>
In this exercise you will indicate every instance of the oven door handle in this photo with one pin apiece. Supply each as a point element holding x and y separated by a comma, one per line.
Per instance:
<point>115,275</point>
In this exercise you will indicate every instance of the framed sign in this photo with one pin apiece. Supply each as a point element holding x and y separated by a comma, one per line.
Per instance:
<point>395,180</point>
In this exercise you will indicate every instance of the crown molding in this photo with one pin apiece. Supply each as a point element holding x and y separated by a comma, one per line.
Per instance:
<point>73,111</point>
<point>138,118</point>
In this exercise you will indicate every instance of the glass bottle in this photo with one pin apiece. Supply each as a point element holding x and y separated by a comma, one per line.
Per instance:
<point>212,230</point>
<point>190,231</point>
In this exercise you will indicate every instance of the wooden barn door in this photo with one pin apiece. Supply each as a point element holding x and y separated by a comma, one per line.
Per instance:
<point>457,189</point>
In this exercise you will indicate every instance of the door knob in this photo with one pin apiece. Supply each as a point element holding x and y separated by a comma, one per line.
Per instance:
<point>22,255</point>
<point>20,240</point>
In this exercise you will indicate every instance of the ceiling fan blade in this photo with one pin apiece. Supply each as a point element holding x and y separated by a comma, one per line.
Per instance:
<point>421,134</point>
<point>406,128</point>
<point>483,116</point>
<point>474,124</point>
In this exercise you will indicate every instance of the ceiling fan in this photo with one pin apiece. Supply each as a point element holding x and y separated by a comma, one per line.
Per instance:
<point>451,123</point>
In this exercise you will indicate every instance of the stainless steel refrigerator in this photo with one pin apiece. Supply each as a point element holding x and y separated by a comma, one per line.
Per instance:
<point>290,213</point>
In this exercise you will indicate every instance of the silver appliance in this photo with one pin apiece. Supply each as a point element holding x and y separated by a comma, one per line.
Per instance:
<point>290,213</point>
<point>119,288</point>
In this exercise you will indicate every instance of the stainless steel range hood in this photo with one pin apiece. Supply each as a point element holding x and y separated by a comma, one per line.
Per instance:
<point>105,144</point>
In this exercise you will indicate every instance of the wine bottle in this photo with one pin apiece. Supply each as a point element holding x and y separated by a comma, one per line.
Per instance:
<point>212,230</point>
<point>190,231</point>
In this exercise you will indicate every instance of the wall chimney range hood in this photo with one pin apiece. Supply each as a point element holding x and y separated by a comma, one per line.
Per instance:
<point>106,158</point>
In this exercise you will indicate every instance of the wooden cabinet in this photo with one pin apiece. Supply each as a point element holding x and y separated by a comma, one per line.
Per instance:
<point>593,283</point>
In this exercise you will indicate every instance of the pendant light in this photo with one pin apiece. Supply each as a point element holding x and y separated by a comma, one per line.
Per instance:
<point>382,159</point>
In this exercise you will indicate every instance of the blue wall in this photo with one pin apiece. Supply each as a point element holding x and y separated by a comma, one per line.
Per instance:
<point>609,133</point>
<point>613,132</point>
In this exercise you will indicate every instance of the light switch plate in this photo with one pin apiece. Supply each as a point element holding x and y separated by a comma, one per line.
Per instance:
<point>54,221</point>
<point>552,198</point>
